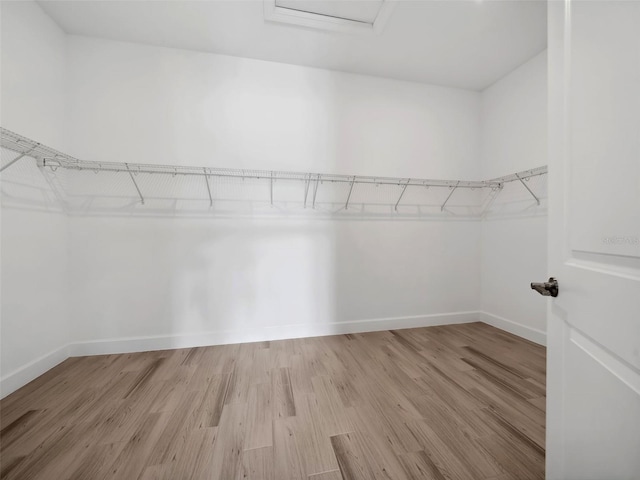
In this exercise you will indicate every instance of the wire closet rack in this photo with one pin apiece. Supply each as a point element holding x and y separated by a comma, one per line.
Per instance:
<point>142,184</point>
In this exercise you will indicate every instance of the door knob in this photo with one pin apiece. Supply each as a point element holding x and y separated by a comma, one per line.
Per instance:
<point>548,289</point>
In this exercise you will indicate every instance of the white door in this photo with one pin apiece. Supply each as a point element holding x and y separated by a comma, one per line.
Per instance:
<point>593,367</point>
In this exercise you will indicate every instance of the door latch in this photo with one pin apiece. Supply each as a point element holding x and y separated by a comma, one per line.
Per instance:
<point>548,289</point>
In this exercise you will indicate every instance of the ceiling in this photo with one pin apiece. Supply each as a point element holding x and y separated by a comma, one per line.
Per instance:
<point>362,10</point>
<point>466,44</point>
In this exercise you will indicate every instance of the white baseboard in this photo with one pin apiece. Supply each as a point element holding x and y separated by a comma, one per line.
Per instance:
<point>281,332</point>
<point>532,334</point>
<point>37,367</point>
<point>32,370</point>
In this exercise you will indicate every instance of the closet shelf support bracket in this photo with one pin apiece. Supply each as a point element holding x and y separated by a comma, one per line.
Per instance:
<point>18,158</point>
<point>496,191</point>
<point>346,205</point>
<point>315,191</point>
<point>135,184</point>
<point>306,189</point>
<point>271,188</point>
<point>206,179</point>
<point>449,196</point>
<point>528,189</point>
<point>401,194</point>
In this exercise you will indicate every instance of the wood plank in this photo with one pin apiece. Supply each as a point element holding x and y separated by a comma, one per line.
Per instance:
<point>282,402</point>
<point>134,457</point>
<point>440,454</point>
<point>311,433</point>
<point>97,462</point>
<point>257,464</point>
<point>259,428</point>
<point>351,457</point>
<point>287,459</point>
<point>193,458</point>
<point>419,465</point>
<point>456,402</point>
<point>332,475</point>
<point>227,450</point>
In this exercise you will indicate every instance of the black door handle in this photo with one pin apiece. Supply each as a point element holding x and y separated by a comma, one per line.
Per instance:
<point>548,289</point>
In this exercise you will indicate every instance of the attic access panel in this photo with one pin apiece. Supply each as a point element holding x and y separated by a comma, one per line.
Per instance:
<point>349,16</point>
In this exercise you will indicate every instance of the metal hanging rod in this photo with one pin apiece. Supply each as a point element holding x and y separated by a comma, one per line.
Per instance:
<point>54,159</point>
<point>250,174</point>
<point>519,176</point>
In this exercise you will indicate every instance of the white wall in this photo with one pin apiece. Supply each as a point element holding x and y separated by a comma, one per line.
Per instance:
<point>203,281</point>
<point>34,313</point>
<point>161,105</point>
<point>514,246</point>
<point>117,283</point>
<point>33,73</point>
<point>214,280</point>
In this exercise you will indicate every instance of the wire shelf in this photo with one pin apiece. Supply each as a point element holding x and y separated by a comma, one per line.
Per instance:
<point>83,185</point>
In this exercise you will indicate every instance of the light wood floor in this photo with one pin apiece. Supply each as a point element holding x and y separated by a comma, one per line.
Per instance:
<point>452,402</point>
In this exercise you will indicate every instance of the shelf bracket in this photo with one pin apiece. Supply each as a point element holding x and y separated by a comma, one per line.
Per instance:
<point>18,158</point>
<point>401,194</point>
<point>450,193</point>
<point>315,191</point>
<point>496,191</point>
<point>206,179</point>
<point>528,189</point>
<point>135,184</point>
<point>346,205</point>
<point>271,187</point>
<point>306,189</point>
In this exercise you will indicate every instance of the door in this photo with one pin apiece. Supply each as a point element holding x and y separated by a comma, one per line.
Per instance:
<point>593,365</point>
